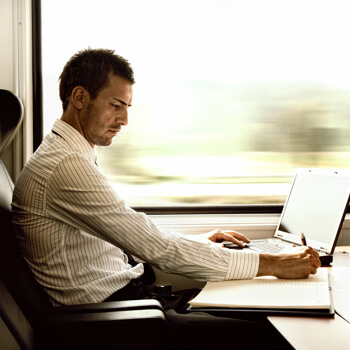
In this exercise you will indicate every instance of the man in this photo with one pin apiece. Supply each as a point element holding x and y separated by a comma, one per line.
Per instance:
<point>75,230</point>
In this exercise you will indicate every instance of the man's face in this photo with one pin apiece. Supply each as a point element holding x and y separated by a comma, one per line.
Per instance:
<point>108,112</point>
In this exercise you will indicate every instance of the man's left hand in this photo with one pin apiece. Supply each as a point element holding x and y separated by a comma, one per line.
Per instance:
<point>218,236</point>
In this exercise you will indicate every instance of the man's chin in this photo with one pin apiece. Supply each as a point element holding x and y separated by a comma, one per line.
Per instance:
<point>105,142</point>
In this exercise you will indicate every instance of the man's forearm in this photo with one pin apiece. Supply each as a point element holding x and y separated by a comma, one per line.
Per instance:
<point>297,263</point>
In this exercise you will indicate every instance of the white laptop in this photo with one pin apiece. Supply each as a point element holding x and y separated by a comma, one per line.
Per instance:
<point>316,206</point>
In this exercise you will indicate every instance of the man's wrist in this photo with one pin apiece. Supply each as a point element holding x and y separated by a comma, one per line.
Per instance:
<point>267,264</point>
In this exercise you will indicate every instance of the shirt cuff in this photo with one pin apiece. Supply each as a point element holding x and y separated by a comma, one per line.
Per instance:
<point>242,265</point>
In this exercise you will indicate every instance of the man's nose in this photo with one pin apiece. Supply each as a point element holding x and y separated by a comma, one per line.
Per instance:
<point>125,117</point>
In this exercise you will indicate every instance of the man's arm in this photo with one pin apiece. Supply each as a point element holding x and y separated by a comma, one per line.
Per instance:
<point>85,201</point>
<point>296,262</point>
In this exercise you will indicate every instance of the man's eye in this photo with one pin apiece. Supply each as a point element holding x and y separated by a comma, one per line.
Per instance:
<point>115,106</point>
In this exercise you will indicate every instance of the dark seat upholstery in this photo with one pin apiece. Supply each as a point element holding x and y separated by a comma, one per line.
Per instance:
<point>27,319</point>
<point>11,117</point>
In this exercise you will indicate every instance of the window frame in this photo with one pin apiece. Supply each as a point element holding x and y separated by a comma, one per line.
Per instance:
<point>211,209</point>
<point>37,74</point>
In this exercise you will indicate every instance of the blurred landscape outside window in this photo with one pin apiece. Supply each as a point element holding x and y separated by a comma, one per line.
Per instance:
<point>230,96</point>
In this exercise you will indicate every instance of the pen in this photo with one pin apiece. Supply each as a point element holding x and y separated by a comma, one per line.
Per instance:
<point>303,239</point>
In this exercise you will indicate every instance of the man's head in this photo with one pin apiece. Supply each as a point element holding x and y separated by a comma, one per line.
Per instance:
<point>91,69</point>
<point>96,90</point>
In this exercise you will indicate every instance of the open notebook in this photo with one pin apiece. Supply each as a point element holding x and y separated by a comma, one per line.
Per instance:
<point>316,206</point>
<point>309,296</point>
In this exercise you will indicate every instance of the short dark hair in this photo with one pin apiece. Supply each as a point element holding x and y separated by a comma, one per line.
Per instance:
<point>90,69</point>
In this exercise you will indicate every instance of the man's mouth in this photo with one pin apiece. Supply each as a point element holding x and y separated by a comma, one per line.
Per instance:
<point>114,131</point>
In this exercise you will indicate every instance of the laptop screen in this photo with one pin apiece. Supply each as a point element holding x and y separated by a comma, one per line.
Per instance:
<point>316,206</point>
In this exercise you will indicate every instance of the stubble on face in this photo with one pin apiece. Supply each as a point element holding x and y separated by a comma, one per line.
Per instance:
<point>92,126</point>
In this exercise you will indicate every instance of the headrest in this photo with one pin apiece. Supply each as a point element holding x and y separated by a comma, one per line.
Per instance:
<point>11,115</point>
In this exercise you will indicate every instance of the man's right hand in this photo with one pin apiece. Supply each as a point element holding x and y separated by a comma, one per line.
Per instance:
<point>297,262</point>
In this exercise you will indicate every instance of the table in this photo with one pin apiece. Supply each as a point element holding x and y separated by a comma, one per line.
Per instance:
<point>309,333</point>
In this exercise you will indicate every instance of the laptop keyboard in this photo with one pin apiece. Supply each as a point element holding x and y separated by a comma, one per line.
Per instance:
<point>265,246</point>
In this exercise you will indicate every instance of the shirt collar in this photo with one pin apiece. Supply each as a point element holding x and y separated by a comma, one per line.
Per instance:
<point>74,138</point>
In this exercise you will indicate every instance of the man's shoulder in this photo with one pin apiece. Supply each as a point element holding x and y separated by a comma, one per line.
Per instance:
<point>52,153</point>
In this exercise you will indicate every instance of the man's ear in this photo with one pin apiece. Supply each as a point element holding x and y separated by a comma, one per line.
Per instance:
<point>79,97</point>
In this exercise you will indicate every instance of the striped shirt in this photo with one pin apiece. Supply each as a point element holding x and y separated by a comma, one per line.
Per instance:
<point>74,229</point>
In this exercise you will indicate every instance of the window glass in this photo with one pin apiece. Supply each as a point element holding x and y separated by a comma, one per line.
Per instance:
<point>230,96</point>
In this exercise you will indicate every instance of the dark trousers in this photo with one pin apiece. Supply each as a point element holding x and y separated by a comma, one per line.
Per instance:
<point>199,330</point>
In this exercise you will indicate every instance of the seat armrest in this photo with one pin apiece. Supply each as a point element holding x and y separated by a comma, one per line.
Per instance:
<point>147,329</point>
<point>104,317</point>
<point>139,304</point>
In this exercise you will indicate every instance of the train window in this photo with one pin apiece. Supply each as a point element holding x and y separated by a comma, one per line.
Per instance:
<point>230,96</point>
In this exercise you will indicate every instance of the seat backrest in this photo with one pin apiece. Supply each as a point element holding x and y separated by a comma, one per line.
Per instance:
<point>11,116</point>
<point>14,270</point>
<point>15,329</point>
